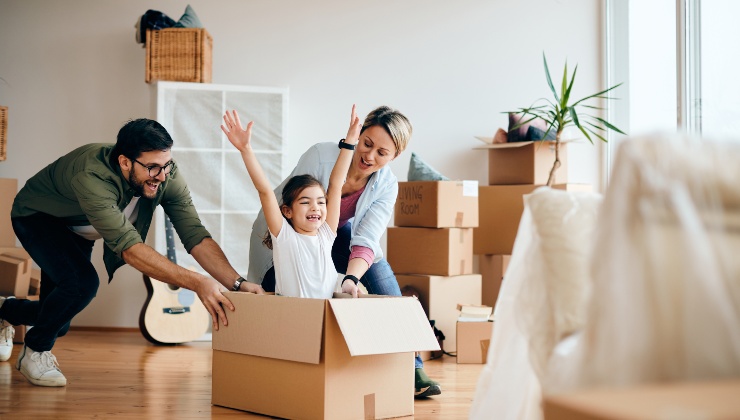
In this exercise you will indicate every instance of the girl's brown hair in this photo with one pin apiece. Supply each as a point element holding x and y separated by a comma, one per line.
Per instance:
<point>292,190</point>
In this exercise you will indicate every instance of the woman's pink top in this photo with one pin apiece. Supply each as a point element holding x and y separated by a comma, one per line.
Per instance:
<point>347,210</point>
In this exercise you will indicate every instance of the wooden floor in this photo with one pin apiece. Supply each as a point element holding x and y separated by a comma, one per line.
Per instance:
<point>119,374</point>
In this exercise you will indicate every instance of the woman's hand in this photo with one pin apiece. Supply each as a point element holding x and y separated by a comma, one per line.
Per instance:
<point>349,287</point>
<point>238,136</point>
<point>353,134</point>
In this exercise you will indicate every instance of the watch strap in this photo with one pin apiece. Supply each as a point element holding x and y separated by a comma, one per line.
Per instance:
<point>351,277</point>
<point>344,145</point>
<point>237,283</point>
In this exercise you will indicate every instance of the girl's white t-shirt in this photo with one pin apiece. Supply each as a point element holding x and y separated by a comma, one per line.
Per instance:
<point>303,264</point>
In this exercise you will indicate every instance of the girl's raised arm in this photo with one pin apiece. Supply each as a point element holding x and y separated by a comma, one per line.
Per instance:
<point>339,172</point>
<point>240,138</point>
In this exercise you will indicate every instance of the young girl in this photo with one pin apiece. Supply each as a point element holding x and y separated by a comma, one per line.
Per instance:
<point>302,230</point>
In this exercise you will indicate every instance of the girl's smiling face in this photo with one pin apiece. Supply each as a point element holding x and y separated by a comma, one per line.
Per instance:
<point>308,210</point>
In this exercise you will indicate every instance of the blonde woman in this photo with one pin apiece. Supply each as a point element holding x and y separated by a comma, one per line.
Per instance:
<point>367,200</point>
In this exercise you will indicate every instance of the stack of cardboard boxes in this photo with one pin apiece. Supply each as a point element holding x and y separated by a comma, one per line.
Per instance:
<point>17,276</point>
<point>431,248</point>
<point>514,170</point>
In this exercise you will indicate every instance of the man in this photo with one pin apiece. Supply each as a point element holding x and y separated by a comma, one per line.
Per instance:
<point>110,192</point>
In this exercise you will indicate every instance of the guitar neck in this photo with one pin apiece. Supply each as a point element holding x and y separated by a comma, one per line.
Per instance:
<point>170,237</point>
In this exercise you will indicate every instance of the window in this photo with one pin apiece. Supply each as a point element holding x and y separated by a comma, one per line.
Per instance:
<point>718,37</point>
<point>222,192</point>
<point>677,61</point>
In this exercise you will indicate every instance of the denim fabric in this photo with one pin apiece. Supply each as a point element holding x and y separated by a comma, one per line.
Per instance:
<point>69,281</point>
<point>378,280</point>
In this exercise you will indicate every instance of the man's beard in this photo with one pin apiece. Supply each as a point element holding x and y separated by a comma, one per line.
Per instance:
<point>139,187</point>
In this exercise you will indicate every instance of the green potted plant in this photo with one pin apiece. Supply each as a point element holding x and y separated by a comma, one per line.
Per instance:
<point>564,111</point>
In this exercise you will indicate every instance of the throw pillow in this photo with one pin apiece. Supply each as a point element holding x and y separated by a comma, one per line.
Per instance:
<point>520,133</point>
<point>189,19</point>
<point>535,133</point>
<point>421,171</point>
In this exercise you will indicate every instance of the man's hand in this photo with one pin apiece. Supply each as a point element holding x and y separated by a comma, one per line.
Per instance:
<point>349,287</point>
<point>211,294</point>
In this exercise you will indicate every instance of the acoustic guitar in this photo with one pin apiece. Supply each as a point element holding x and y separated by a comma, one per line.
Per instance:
<point>171,314</point>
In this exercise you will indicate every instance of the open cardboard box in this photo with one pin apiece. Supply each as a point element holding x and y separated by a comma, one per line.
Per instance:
<point>526,162</point>
<point>319,358</point>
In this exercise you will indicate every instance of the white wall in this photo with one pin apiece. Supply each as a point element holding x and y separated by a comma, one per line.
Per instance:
<point>75,75</point>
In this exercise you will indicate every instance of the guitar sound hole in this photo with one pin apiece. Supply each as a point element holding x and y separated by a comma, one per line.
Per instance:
<point>173,287</point>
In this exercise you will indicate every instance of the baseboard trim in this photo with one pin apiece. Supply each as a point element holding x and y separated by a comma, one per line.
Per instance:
<point>104,329</point>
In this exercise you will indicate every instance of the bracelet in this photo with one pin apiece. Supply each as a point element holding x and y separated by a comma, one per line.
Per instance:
<point>238,283</point>
<point>351,277</point>
<point>344,145</point>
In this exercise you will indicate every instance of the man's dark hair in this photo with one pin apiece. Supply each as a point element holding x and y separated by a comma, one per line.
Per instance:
<point>139,136</point>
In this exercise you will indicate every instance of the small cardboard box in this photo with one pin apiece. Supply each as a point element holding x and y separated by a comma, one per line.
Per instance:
<point>15,275</point>
<point>440,251</point>
<point>437,204</point>
<point>8,190</point>
<point>319,358</point>
<point>501,208</point>
<point>473,339</point>
<point>527,162</point>
<point>20,333</point>
<point>492,269</point>
<point>672,400</point>
<point>34,287</point>
<point>439,296</point>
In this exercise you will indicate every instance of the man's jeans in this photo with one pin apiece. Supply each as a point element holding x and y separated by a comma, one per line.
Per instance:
<point>378,280</point>
<point>69,281</point>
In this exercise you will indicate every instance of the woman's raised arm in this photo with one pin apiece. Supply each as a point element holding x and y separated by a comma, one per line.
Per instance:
<point>339,172</point>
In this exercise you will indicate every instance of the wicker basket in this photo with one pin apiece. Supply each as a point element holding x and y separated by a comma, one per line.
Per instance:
<point>3,132</point>
<point>179,54</point>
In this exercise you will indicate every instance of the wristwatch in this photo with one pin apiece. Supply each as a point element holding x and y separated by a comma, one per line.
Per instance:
<point>238,283</point>
<point>351,277</point>
<point>344,145</point>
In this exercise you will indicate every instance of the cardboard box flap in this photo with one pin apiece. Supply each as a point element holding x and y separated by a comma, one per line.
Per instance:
<point>381,326</point>
<point>290,330</point>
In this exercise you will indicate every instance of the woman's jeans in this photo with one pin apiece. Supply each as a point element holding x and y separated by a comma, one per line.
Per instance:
<point>69,281</point>
<point>378,280</point>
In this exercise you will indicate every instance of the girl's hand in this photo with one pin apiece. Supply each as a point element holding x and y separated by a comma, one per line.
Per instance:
<point>353,134</point>
<point>238,136</point>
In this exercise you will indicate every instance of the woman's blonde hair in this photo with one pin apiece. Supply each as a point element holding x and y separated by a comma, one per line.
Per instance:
<point>393,122</point>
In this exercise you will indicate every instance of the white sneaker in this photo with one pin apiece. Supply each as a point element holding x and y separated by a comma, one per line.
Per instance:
<point>6,337</point>
<point>40,368</point>
<point>6,340</point>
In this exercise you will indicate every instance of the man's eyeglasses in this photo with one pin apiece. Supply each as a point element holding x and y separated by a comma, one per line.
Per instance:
<point>155,170</point>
